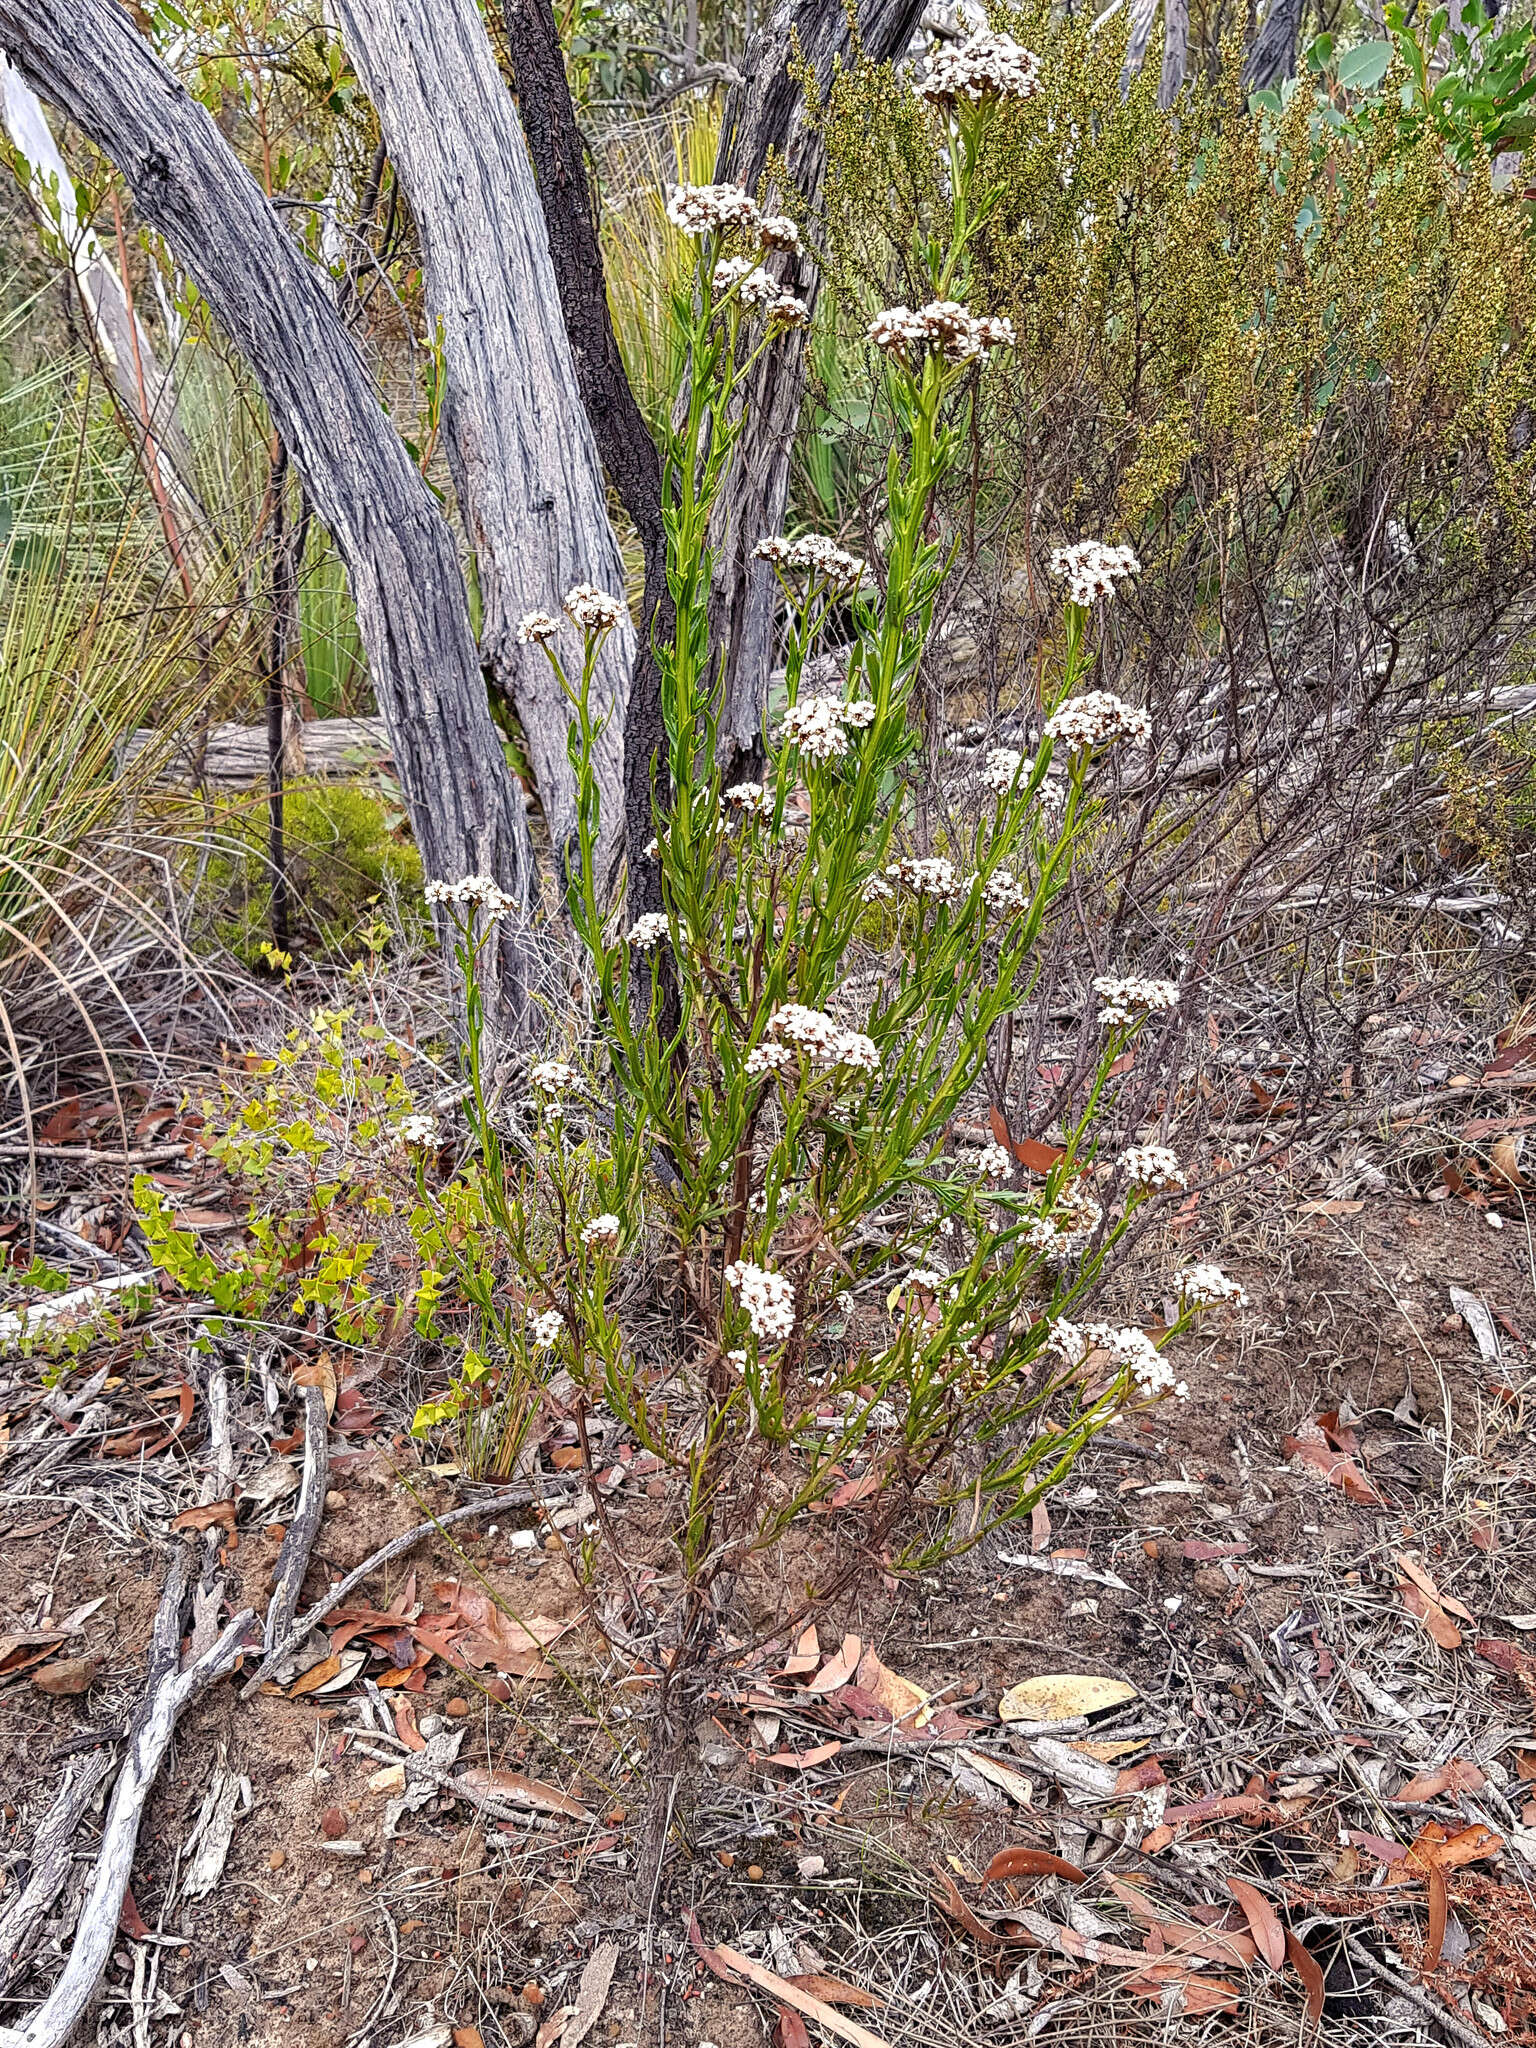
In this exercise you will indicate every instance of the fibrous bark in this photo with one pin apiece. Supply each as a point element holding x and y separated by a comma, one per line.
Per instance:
<point>524,461</point>
<point>413,616</point>
<point>762,115</point>
<point>624,441</point>
<point>1273,54</point>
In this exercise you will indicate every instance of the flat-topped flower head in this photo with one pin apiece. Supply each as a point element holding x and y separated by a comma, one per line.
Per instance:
<point>555,1077</point>
<point>812,551</point>
<point>706,209</point>
<point>767,1297</point>
<point>785,310</point>
<point>1091,569</point>
<point>988,67</point>
<point>778,231</point>
<point>821,1038</point>
<point>1206,1286</point>
<point>1006,766</point>
<point>994,1162</point>
<point>545,1328</point>
<point>592,609</point>
<point>602,1233</point>
<point>417,1129</point>
<point>943,326</point>
<point>1003,893</point>
<point>1151,1166</point>
<point>1097,719</point>
<point>475,892</point>
<point>1125,997</point>
<point>535,628</point>
<point>934,877</point>
<point>648,931</point>
<point>750,798</point>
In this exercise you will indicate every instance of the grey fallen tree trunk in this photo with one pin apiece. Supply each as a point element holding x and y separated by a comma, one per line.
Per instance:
<point>519,444</point>
<point>763,115</point>
<point>412,610</point>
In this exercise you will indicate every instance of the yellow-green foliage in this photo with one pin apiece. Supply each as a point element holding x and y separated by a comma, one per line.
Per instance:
<point>1214,305</point>
<point>353,877</point>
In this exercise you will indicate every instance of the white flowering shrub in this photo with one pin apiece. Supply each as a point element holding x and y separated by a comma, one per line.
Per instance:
<point>858,1299</point>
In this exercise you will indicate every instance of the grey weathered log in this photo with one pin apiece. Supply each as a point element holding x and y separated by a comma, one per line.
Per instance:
<point>412,610</point>
<point>234,756</point>
<point>762,115</point>
<point>521,449</point>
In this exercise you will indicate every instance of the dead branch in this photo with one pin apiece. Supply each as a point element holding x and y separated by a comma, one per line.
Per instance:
<point>52,1854</point>
<point>299,1541</point>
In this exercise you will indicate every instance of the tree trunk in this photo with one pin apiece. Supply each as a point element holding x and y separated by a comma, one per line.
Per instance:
<point>623,440</point>
<point>1273,54</point>
<point>1143,15</point>
<point>519,443</point>
<point>146,395</point>
<point>412,611</point>
<point>762,114</point>
<point>1175,51</point>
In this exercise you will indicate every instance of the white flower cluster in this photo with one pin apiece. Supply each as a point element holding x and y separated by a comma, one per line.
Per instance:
<point>988,66</point>
<point>706,209</point>
<point>648,931</point>
<point>1005,766</point>
<point>933,877</point>
<point>1152,1166</point>
<point>750,798</point>
<point>994,1162</point>
<point>602,1233</point>
<point>1095,719</point>
<point>1131,1350</point>
<point>1004,893</point>
<point>810,551</point>
<point>822,1038</point>
<point>592,609</point>
<point>535,628</point>
<point>1091,568</point>
<point>768,1299</point>
<point>770,1059</point>
<point>778,231</point>
<point>942,326</point>
<point>1122,997</point>
<point>417,1129</point>
<point>788,311</point>
<point>1205,1286</point>
<point>1068,1228</point>
<point>818,726</point>
<point>754,285</point>
<point>877,890</point>
<point>555,1077</point>
<point>477,891</point>
<point>545,1329</point>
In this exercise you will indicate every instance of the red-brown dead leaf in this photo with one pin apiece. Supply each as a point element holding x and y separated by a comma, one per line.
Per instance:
<point>1514,1055</point>
<point>1268,1934</point>
<point>789,2030</point>
<point>1023,1861</point>
<point>316,1676</point>
<point>833,1991</point>
<point>1412,1569</point>
<point>1310,1972</point>
<point>1336,1468</point>
<point>130,1919</point>
<point>1029,1152</point>
<point>219,1514</point>
<point>949,1900</point>
<point>804,1760</point>
<point>839,1667</point>
<point>1459,1775</point>
<point>1140,1777</point>
<point>1437,1623</point>
<point>517,1790</point>
<point>1435,1941</point>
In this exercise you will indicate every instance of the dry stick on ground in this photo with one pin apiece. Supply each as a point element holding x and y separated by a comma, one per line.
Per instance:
<point>168,1691</point>
<point>299,1541</point>
<point>514,1497</point>
<point>52,1855</point>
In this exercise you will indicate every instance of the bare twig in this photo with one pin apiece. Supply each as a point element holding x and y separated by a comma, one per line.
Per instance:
<point>52,1854</point>
<point>299,1541</point>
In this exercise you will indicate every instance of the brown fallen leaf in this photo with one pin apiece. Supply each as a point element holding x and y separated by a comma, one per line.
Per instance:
<point>1063,1696</point>
<point>67,1676</point>
<point>1459,1775</point>
<point>834,1991</point>
<point>839,1667</point>
<point>1438,1624</point>
<point>1182,1990</point>
<point>1023,1861</point>
<point>803,1760</point>
<point>1310,1971</point>
<point>219,1514</point>
<point>1435,1845</point>
<point>1319,1456</point>
<point>518,1790</point>
<point>1261,1916</point>
<point>789,2030</point>
<point>1438,1902</point>
<point>316,1676</point>
<point>949,1899</point>
<point>322,1374</point>
<point>1411,1568</point>
<point>789,1994</point>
